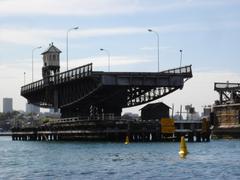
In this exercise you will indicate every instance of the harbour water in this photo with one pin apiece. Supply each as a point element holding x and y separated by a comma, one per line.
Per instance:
<point>218,159</point>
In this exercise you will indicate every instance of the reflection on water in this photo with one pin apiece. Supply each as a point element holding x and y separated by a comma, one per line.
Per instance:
<point>80,160</point>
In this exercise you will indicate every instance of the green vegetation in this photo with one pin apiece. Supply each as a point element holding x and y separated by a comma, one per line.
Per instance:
<point>19,119</point>
<point>6,120</point>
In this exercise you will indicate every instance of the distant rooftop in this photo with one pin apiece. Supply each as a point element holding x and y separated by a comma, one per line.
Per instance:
<point>151,105</point>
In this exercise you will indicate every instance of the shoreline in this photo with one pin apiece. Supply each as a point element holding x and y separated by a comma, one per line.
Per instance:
<point>8,133</point>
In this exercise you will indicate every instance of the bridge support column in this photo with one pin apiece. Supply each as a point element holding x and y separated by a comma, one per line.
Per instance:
<point>55,100</point>
<point>113,110</point>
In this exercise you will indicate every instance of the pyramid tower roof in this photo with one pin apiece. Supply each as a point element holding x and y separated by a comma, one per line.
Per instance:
<point>51,49</point>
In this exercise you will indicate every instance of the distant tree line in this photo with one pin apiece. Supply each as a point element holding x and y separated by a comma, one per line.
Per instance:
<point>6,120</point>
<point>19,119</point>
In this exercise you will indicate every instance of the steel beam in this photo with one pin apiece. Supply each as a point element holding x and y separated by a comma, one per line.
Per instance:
<point>76,90</point>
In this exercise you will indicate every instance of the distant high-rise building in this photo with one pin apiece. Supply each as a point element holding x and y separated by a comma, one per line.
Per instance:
<point>7,105</point>
<point>30,108</point>
<point>52,111</point>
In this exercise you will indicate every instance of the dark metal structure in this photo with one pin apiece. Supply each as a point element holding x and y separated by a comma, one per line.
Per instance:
<point>228,92</point>
<point>84,92</point>
<point>226,111</point>
<point>91,102</point>
<point>155,111</point>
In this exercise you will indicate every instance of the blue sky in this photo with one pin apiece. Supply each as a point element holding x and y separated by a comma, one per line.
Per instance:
<point>208,31</point>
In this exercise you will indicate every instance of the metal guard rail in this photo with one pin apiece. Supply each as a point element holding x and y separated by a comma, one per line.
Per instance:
<point>76,73</point>
<point>185,70</point>
<point>227,85</point>
<point>87,118</point>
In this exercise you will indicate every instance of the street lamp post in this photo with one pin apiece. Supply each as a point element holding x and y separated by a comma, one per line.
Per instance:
<point>181,57</point>
<point>74,28</point>
<point>157,35</point>
<point>32,59</point>
<point>108,53</point>
<point>24,78</point>
<point>33,78</point>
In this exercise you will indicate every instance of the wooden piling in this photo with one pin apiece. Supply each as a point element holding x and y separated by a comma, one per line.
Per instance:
<point>114,131</point>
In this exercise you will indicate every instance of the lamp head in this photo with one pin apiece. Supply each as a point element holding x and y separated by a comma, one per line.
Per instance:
<point>149,30</point>
<point>101,49</point>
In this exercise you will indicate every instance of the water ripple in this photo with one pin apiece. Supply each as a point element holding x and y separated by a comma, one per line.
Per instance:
<point>76,160</point>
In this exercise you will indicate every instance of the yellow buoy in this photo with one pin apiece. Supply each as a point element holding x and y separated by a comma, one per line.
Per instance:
<point>183,148</point>
<point>127,140</point>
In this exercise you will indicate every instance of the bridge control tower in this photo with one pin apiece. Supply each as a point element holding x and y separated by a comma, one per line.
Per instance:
<point>51,67</point>
<point>51,61</point>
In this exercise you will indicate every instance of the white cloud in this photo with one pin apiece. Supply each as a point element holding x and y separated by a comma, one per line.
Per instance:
<point>96,7</point>
<point>27,35</point>
<point>70,7</point>
<point>154,48</point>
<point>102,61</point>
<point>19,35</point>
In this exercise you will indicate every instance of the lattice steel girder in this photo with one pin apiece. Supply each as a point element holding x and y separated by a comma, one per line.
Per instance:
<point>228,92</point>
<point>135,99</point>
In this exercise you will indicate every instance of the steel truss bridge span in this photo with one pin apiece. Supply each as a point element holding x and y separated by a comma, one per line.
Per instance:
<point>229,93</point>
<point>84,92</point>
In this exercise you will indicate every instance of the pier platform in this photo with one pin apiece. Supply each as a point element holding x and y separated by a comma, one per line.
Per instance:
<point>112,130</point>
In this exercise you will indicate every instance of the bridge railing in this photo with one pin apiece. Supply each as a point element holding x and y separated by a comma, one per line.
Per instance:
<point>72,74</point>
<point>33,86</point>
<point>105,117</point>
<point>186,70</point>
<point>227,85</point>
<point>76,73</point>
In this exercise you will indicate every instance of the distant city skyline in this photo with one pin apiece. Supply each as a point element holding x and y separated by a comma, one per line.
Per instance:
<point>207,32</point>
<point>30,108</point>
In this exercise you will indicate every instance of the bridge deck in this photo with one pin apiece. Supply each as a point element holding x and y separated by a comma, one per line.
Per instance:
<point>86,71</point>
<point>82,88</point>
